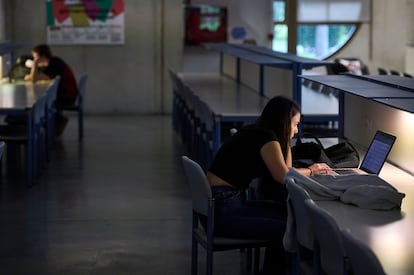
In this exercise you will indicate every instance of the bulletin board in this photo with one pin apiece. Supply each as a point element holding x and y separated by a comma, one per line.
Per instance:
<point>85,22</point>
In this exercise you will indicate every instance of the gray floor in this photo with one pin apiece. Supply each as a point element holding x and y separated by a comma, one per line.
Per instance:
<point>115,204</point>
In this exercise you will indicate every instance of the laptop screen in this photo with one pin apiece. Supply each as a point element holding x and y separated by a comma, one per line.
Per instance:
<point>378,152</point>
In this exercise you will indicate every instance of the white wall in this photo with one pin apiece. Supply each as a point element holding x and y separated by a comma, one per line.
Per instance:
<point>391,30</point>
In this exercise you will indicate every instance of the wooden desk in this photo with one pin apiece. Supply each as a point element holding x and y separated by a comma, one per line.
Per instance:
<point>18,99</point>
<point>388,233</point>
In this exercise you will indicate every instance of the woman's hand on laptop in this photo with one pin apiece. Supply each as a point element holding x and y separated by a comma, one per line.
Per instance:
<point>320,168</point>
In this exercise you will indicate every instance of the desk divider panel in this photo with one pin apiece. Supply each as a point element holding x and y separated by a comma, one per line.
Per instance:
<point>277,82</point>
<point>249,74</point>
<point>362,117</point>
<point>229,66</point>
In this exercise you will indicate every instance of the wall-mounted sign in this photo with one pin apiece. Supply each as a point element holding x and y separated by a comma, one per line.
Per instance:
<point>85,22</point>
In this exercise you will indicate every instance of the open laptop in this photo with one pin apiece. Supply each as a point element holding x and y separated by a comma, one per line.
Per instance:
<point>375,157</point>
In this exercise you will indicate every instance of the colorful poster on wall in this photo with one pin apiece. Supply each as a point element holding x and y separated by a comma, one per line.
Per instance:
<point>85,22</point>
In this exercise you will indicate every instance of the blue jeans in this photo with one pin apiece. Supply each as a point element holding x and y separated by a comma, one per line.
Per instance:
<point>237,217</point>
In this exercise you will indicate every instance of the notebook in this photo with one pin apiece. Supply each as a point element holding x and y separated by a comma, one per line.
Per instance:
<point>375,157</point>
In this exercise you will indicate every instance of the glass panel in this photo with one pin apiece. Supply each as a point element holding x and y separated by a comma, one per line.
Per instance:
<point>321,41</point>
<point>279,10</point>
<point>333,11</point>
<point>280,38</point>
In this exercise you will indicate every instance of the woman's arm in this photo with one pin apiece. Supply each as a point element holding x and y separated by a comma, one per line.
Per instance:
<point>272,156</point>
<point>35,73</point>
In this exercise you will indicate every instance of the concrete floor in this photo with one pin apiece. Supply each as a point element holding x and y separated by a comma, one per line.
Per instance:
<point>116,203</point>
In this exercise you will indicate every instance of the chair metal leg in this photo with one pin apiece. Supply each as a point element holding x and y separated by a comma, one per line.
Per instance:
<point>256,260</point>
<point>249,259</point>
<point>194,256</point>
<point>80,122</point>
<point>209,262</point>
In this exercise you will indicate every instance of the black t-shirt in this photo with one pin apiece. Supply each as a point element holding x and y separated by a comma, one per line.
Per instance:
<point>238,160</point>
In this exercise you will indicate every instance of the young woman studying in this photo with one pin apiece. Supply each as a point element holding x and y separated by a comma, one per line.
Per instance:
<point>258,150</point>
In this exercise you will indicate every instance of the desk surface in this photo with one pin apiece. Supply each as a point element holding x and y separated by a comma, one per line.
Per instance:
<point>405,104</point>
<point>359,86</point>
<point>388,233</point>
<point>306,63</point>
<point>392,80</point>
<point>225,97</point>
<point>20,95</point>
<point>250,56</point>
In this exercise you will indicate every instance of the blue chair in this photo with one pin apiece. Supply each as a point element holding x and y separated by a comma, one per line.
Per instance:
<point>328,241</point>
<point>51,112</point>
<point>307,258</point>
<point>362,260</point>
<point>78,104</point>
<point>382,71</point>
<point>16,135</point>
<point>203,207</point>
<point>394,72</point>
<point>2,147</point>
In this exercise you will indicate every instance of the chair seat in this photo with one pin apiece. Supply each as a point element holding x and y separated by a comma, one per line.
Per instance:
<point>16,133</point>
<point>228,243</point>
<point>70,108</point>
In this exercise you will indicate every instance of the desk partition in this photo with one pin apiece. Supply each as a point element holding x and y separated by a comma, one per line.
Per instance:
<point>270,73</point>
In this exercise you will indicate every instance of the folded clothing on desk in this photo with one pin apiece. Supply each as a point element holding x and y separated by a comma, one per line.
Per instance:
<point>364,191</point>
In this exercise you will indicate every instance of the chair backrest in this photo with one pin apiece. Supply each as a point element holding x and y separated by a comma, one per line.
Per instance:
<point>394,72</point>
<point>52,92</point>
<point>361,258</point>
<point>2,146</point>
<point>298,195</point>
<point>200,189</point>
<point>328,239</point>
<point>81,89</point>
<point>382,71</point>
<point>39,110</point>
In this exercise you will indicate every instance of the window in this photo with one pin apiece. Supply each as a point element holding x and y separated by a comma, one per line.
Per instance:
<point>323,27</point>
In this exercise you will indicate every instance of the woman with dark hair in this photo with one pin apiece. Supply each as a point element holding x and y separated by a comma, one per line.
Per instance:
<point>258,150</point>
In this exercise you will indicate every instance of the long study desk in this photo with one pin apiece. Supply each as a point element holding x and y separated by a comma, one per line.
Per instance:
<point>267,57</point>
<point>228,100</point>
<point>386,91</point>
<point>388,233</point>
<point>18,99</point>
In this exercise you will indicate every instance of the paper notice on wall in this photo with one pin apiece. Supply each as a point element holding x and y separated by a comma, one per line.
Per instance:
<point>85,22</point>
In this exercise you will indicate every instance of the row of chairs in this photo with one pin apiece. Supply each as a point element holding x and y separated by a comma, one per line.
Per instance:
<point>383,71</point>
<point>193,120</point>
<point>332,251</point>
<point>15,133</point>
<point>44,135</point>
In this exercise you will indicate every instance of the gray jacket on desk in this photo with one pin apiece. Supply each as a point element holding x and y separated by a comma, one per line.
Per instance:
<point>364,191</point>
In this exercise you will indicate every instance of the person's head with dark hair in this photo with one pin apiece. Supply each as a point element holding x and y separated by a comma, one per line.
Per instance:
<point>281,115</point>
<point>42,50</point>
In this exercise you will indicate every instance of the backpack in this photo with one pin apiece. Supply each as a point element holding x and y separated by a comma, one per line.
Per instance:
<point>340,155</point>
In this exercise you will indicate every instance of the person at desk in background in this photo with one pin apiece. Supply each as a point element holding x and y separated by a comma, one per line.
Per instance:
<point>256,151</point>
<point>45,66</point>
